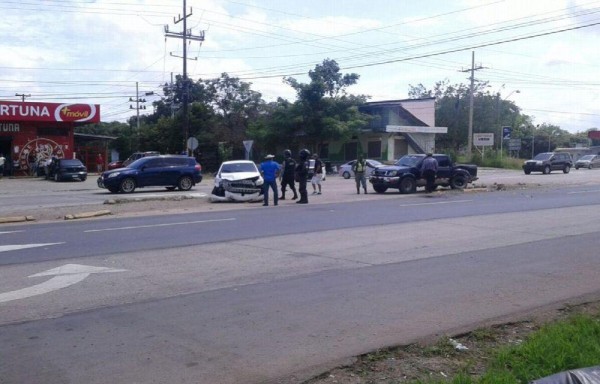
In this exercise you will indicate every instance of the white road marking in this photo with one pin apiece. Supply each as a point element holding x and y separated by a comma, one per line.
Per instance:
<point>157,225</point>
<point>435,203</point>
<point>590,191</point>
<point>14,247</point>
<point>6,232</point>
<point>64,276</point>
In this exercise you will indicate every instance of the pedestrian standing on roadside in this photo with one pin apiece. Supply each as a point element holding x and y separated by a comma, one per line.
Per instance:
<point>270,171</point>
<point>317,175</point>
<point>32,162</point>
<point>429,169</point>
<point>2,162</point>
<point>99,163</point>
<point>301,176</point>
<point>360,168</point>
<point>287,174</point>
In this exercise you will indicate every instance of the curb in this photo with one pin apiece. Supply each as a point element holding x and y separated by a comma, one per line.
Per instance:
<point>86,215</point>
<point>15,219</point>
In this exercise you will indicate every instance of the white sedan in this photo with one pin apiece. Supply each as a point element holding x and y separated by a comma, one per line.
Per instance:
<point>237,180</point>
<point>346,171</point>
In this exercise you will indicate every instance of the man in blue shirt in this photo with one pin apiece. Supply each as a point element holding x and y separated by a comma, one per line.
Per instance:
<point>270,171</point>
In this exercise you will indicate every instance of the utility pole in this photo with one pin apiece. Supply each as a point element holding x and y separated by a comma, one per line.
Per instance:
<point>471,101</point>
<point>22,96</point>
<point>185,35</point>
<point>137,107</point>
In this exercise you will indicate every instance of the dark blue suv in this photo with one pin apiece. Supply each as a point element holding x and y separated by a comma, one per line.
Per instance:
<point>171,171</point>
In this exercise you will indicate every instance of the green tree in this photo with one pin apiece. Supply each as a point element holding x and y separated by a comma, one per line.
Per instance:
<point>323,110</point>
<point>490,111</point>
<point>234,104</point>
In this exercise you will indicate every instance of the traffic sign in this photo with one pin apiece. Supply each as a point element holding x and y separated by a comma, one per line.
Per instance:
<point>192,143</point>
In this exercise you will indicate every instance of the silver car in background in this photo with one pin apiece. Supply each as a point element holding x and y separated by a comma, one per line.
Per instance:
<point>588,161</point>
<point>346,171</point>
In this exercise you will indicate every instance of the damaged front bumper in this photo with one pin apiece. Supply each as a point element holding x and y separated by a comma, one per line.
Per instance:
<point>239,190</point>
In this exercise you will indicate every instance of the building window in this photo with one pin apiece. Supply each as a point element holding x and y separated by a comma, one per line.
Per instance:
<point>374,149</point>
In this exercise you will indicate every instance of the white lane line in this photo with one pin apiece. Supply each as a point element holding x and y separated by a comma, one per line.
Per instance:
<point>436,203</point>
<point>6,232</point>
<point>15,247</point>
<point>157,225</point>
<point>576,192</point>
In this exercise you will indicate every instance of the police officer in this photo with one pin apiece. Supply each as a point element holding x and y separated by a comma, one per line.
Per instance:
<point>287,175</point>
<point>360,168</point>
<point>301,174</point>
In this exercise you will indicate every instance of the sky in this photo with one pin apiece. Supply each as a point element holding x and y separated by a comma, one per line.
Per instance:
<point>542,55</point>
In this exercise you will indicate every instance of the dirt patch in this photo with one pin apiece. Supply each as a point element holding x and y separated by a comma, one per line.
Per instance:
<point>443,358</point>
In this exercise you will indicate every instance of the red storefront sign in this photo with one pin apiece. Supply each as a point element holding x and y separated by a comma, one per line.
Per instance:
<point>49,112</point>
<point>594,135</point>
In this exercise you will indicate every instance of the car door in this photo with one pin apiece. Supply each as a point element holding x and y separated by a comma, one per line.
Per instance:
<point>172,169</point>
<point>555,162</point>
<point>443,171</point>
<point>150,172</point>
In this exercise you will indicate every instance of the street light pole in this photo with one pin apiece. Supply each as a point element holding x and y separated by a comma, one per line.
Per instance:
<point>550,137</point>
<point>532,141</point>
<point>498,119</point>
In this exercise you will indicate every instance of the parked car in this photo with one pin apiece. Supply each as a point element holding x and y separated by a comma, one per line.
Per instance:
<point>66,169</point>
<point>171,171</point>
<point>547,162</point>
<point>588,161</point>
<point>346,171</point>
<point>405,174</point>
<point>134,156</point>
<point>115,164</point>
<point>237,180</point>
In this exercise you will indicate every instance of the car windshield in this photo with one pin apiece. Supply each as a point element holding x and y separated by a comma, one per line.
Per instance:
<point>587,157</point>
<point>542,156</point>
<point>408,161</point>
<point>238,167</point>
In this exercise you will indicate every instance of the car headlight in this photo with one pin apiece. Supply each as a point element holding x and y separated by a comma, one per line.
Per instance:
<point>260,182</point>
<point>115,174</point>
<point>393,173</point>
<point>539,162</point>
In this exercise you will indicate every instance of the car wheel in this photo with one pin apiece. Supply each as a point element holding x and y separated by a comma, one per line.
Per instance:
<point>113,190</point>
<point>527,172</point>
<point>185,183</point>
<point>458,182</point>
<point>83,178</point>
<point>546,170</point>
<point>567,169</point>
<point>128,185</point>
<point>171,188</point>
<point>56,177</point>
<point>380,188</point>
<point>346,175</point>
<point>590,166</point>
<point>408,185</point>
<point>576,168</point>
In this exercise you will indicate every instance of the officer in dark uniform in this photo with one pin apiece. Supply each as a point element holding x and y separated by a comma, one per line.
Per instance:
<point>301,174</point>
<point>287,176</point>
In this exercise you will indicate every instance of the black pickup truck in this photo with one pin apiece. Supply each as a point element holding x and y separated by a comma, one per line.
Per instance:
<point>405,174</point>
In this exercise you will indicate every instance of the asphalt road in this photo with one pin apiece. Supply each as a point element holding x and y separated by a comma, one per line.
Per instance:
<point>258,295</point>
